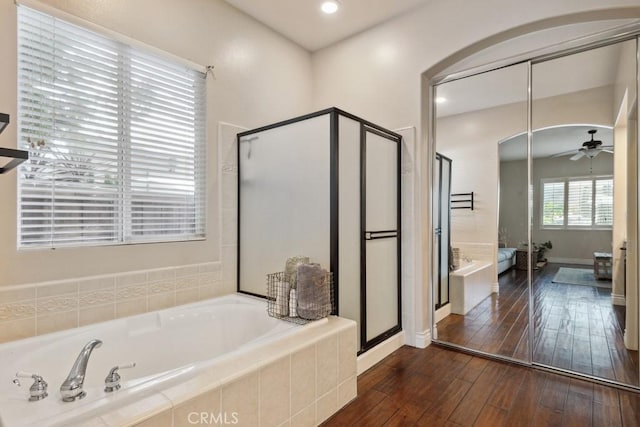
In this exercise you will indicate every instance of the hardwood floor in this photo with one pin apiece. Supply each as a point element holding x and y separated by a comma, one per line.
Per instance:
<point>442,387</point>
<point>576,327</point>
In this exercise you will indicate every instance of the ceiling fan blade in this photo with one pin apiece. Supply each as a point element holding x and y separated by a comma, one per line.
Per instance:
<point>565,153</point>
<point>608,150</point>
<point>577,156</point>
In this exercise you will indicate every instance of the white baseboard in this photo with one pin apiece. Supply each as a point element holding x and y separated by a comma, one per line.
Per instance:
<point>374,355</point>
<point>423,339</point>
<point>495,288</point>
<point>440,314</point>
<point>617,299</point>
<point>570,261</point>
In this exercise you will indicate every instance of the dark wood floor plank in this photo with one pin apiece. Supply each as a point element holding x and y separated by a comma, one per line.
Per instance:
<point>576,327</point>
<point>467,390</point>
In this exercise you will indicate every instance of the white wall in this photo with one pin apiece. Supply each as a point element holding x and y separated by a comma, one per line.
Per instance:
<point>260,77</point>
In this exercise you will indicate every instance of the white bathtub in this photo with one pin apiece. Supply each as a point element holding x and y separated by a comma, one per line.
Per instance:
<point>469,285</point>
<point>170,347</point>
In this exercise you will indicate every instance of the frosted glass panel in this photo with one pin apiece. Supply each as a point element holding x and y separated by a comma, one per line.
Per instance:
<point>349,220</point>
<point>382,286</point>
<point>284,199</point>
<point>382,183</point>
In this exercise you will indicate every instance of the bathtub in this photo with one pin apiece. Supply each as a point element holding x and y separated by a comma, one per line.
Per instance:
<point>180,354</point>
<point>469,285</point>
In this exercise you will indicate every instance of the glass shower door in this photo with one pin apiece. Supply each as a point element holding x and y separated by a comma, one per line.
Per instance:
<point>381,237</point>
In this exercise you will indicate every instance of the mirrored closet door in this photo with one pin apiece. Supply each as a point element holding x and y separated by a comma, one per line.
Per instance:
<point>584,212</point>
<point>484,309</point>
<point>543,211</point>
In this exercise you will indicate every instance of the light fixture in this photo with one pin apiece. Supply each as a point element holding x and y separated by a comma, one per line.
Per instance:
<point>329,7</point>
<point>441,99</point>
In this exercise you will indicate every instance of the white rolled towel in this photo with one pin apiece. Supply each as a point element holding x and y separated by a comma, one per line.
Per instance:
<point>293,303</point>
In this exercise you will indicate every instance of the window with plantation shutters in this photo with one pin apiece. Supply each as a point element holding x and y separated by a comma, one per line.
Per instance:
<point>116,137</point>
<point>553,204</point>
<point>581,203</point>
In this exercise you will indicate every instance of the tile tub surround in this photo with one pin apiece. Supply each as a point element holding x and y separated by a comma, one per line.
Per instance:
<point>41,308</point>
<point>299,381</point>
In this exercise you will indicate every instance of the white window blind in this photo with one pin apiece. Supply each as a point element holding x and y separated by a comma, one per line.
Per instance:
<point>604,202</point>
<point>577,202</point>
<point>116,138</point>
<point>553,203</point>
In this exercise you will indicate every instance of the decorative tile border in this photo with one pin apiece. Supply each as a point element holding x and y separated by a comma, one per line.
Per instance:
<point>52,306</point>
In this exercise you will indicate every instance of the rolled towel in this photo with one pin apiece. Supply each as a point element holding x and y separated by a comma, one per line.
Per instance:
<point>293,303</point>
<point>291,269</point>
<point>314,298</point>
<point>282,298</point>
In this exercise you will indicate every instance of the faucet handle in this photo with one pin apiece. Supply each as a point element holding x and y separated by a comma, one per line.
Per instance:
<point>38,389</point>
<point>112,382</point>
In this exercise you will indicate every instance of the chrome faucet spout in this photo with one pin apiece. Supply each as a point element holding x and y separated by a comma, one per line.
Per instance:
<point>71,389</point>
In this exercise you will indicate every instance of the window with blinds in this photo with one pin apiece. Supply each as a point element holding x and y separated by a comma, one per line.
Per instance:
<point>553,204</point>
<point>116,138</point>
<point>577,203</point>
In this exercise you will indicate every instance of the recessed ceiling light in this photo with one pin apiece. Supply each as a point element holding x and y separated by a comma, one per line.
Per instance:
<point>441,99</point>
<point>329,7</point>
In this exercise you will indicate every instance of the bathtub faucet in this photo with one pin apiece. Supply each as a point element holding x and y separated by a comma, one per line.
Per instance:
<point>71,388</point>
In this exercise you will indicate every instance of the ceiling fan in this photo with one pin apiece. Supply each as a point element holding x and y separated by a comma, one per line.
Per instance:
<point>589,148</point>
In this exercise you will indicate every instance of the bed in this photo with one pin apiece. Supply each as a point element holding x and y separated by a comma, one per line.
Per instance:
<point>506,259</point>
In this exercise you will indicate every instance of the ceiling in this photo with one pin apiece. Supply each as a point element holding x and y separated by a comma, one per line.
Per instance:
<point>551,141</point>
<point>302,21</point>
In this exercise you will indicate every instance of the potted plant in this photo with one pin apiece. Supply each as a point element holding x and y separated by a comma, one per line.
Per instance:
<point>542,249</point>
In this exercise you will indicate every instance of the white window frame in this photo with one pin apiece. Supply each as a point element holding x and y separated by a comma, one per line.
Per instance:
<point>565,225</point>
<point>124,217</point>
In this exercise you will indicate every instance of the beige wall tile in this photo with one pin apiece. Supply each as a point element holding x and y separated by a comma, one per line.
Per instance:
<point>18,294</point>
<point>55,289</point>
<point>189,270</point>
<point>97,284</point>
<point>347,354</point>
<point>347,391</point>
<point>97,297</point>
<point>306,417</point>
<point>161,287</point>
<point>209,278</point>
<point>128,279</point>
<point>209,267</point>
<point>17,310</point>
<point>160,301</point>
<point>17,329</point>
<point>56,322</point>
<point>208,403</point>
<point>131,292</point>
<point>241,397</point>
<point>57,304</point>
<point>275,388</point>
<point>229,227</point>
<point>303,378</point>
<point>161,274</point>
<point>327,365</point>
<point>96,314</point>
<point>187,296</point>
<point>209,291</point>
<point>131,307</point>
<point>326,406</point>
<point>187,282</point>
<point>163,419</point>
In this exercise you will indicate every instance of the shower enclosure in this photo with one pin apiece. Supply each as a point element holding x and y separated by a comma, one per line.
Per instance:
<point>325,185</point>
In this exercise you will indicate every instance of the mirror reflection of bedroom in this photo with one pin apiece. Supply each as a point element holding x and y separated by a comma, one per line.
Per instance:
<point>557,224</point>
